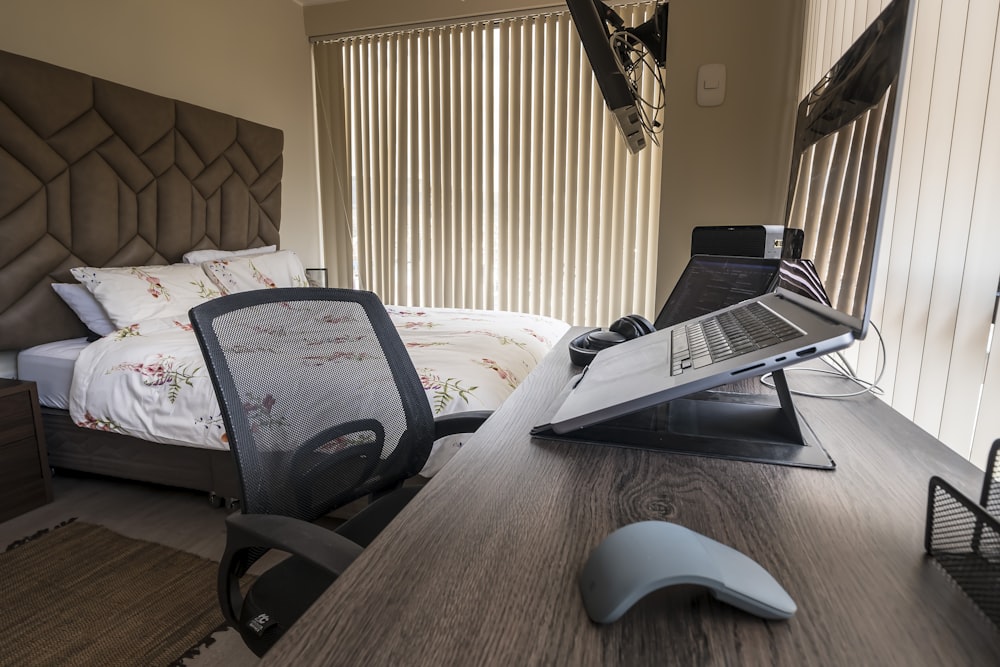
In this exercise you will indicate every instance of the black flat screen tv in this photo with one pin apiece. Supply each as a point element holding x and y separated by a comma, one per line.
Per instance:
<point>592,19</point>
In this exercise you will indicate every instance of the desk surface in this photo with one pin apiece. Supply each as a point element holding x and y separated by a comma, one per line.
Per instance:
<point>482,567</point>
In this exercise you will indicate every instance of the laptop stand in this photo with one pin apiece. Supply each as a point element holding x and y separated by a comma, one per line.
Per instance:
<point>745,427</point>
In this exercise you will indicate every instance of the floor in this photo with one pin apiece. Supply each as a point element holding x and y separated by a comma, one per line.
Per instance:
<point>174,517</point>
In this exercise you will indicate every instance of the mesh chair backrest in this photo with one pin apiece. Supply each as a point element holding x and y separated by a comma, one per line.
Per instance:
<point>321,402</point>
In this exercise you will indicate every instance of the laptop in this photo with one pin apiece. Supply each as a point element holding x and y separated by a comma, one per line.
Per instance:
<point>839,177</point>
<point>713,282</point>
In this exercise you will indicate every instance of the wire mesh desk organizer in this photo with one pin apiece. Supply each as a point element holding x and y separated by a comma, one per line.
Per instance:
<point>964,537</point>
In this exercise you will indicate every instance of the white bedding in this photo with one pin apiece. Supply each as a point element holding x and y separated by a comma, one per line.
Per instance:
<point>149,380</point>
<point>50,366</point>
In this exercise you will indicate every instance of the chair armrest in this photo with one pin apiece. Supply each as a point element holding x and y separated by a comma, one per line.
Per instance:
<point>248,532</point>
<point>460,422</point>
<point>320,546</point>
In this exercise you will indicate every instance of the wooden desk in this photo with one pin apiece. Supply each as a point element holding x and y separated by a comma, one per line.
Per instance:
<point>482,567</point>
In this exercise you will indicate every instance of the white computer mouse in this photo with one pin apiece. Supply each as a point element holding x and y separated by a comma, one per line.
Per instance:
<point>642,557</point>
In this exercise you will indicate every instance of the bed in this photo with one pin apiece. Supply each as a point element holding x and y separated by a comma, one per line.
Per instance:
<point>104,180</point>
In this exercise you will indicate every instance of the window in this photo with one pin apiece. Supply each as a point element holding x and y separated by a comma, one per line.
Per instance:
<point>476,166</point>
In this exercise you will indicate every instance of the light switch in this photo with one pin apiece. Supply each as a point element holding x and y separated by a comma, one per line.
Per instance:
<point>711,85</point>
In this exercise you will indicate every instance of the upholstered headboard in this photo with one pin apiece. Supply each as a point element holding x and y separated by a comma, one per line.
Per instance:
<point>93,173</point>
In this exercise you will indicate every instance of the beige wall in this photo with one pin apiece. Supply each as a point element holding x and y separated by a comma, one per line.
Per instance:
<point>248,58</point>
<point>726,165</point>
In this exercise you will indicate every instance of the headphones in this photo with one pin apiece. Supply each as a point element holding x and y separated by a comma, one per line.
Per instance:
<point>585,347</point>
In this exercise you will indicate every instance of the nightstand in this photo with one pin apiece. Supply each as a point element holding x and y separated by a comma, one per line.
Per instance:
<point>25,480</point>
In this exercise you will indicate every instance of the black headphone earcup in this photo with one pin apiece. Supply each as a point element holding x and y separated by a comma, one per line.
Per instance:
<point>602,340</point>
<point>647,326</point>
<point>580,352</point>
<point>585,347</point>
<point>632,326</point>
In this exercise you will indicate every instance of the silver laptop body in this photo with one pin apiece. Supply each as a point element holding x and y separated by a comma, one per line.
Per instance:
<point>843,140</point>
<point>638,374</point>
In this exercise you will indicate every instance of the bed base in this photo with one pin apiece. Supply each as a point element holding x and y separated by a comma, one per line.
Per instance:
<point>115,455</point>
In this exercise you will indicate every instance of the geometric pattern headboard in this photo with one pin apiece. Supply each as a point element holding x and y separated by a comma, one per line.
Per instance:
<point>94,173</point>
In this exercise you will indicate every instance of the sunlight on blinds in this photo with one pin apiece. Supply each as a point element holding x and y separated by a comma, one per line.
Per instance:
<point>486,172</point>
<point>836,178</point>
<point>938,268</point>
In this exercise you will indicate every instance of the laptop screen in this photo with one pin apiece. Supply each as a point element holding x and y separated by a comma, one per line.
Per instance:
<point>712,282</point>
<point>839,176</point>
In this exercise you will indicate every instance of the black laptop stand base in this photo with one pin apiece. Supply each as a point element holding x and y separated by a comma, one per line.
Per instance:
<point>744,427</point>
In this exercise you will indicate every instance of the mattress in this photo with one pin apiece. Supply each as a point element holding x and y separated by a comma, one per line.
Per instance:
<point>149,381</point>
<point>50,366</point>
<point>466,360</point>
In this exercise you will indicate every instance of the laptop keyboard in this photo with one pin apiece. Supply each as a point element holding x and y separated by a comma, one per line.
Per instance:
<point>738,331</point>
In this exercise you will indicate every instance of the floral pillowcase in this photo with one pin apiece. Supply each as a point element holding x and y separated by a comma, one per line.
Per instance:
<point>241,274</point>
<point>209,254</point>
<point>132,294</point>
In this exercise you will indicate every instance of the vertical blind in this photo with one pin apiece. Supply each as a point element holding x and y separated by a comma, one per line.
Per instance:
<point>832,204</point>
<point>482,169</point>
<point>939,264</point>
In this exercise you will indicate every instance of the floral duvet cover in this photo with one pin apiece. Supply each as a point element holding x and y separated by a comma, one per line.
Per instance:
<point>149,380</point>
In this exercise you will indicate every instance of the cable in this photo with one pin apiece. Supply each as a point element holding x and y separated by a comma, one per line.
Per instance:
<point>627,46</point>
<point>843,369</point>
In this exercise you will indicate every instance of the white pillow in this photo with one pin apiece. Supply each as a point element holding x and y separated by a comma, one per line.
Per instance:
<point>131,294</point>
<point>242,274</point>
<point>209,254</point>
<point>86,307</point>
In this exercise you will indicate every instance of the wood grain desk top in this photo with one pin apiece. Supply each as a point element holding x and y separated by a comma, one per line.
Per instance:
<point>482,567</point>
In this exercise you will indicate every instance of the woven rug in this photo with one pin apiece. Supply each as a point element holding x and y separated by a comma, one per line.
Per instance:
<point>81,594</point>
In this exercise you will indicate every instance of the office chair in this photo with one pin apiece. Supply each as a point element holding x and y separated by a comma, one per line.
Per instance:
<point>322,406</point>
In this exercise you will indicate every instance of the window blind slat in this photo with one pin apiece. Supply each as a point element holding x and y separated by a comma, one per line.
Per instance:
<point>506,65</point>
<point>464,188</point>
<point>581,201</point>
<point>489,168</point>
<point>426,195</point>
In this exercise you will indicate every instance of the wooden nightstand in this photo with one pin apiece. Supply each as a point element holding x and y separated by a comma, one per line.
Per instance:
<point>25,480</point>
